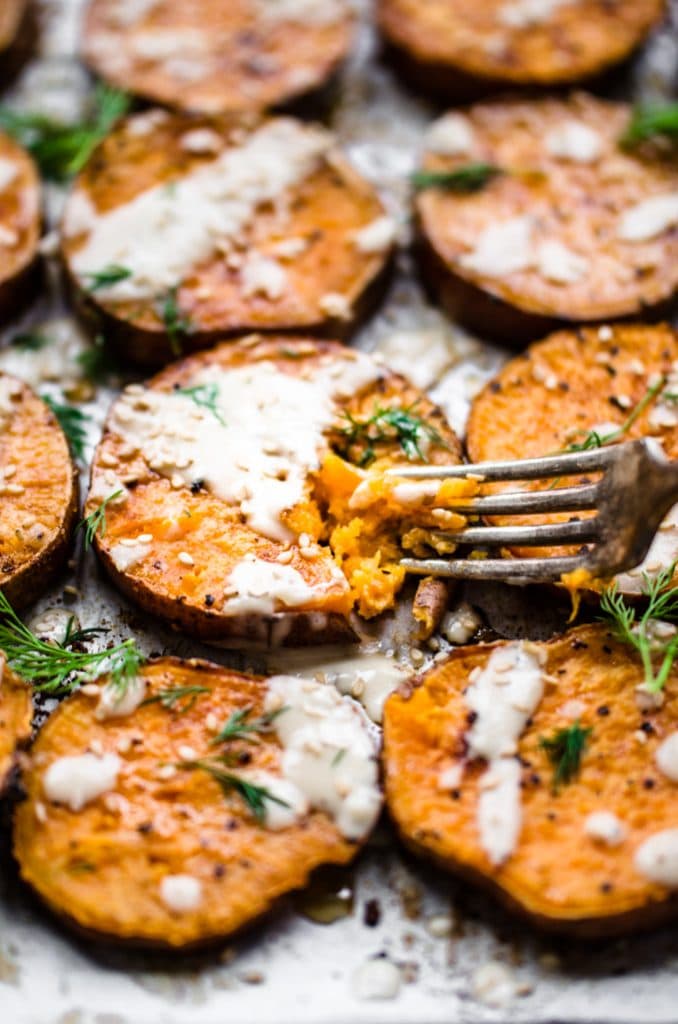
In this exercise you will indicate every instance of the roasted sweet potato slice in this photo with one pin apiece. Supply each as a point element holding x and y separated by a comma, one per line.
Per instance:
<point>573,228</point>
<point>214,57</point>
<point>579,388</point>
<point>460,50</point>
<point>19,226</point>
<point>16,714</point>
<point>12,13</point>
<point>245,502</point>
<point>584,857</point>
<point>182,230</point>
<point>121,843</point>
<point>38,482</point>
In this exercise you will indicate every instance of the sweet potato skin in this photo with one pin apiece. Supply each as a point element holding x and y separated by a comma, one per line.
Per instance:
<point>20,215</point>
<point>326,210</point>
<point>40,497</point>
<point>445,47</point>
<point>558,878</point>
<point>101,868</point>
<point>191,598</point>
<point>524,305</point>
<point>563,387</point>
<point>247,66</point>
<point>16,714</point>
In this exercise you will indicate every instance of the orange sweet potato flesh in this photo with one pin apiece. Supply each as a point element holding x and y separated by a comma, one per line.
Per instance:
<point>366,545</point>
<point>101,868</point>
<point>558,877</point>
<point>623,279</point>
<point>458,48</point>
<point>561,389</point>
<point>16,714</point>
<point>19,227</point>
<point>38,481</point>
<point>324,211</point>
<point>241,63</point>
<point>11,14</point>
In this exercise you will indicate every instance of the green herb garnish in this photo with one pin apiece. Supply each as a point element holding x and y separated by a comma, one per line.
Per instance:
<point>564,750</point>
<point>62,150</point>
<point>177,698</point>
<point>206,396</point>
<point>639,632</point>
<point>394,424</point>
<point>239,726</point>
<point>56,667</point>
<point>95,522</point>
<point>651,121</point>
<point>30,341</point>
<point>177,324</point>
<point>107,276</point>
<point>72,421</point>
<point>253,795</point>
<point>96,361</point>
<point>469,178</point>
<point>594,439</point>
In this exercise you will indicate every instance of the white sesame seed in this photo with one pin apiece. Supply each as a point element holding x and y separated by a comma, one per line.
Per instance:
<point>187,753</point>
<point>185,558</point>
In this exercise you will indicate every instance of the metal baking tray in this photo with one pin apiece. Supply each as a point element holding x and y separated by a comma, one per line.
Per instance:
<point>459,958</point>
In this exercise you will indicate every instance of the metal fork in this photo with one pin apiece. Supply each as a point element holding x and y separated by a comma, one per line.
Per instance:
<point>637,488</point>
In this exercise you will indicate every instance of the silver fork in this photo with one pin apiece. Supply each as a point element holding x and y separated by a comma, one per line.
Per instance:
<point>637,488</point>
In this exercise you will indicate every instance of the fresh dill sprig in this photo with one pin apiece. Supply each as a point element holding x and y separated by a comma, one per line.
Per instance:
<point>391,424</point>
<point>56,667</point>
<point>177,698</point>
<point>206,396</point>
<point>253,795</point>
<point>565,749</point>
<point>465,179</point>
<point>29,341</point>
<point>594,439</point>
<point>62,150</point>
<point>96,361</point>
<point>639,632</point>
<point>107,276</point>
<point>177,324</point>
<point>95,523</point>
<point>72,421</point>
<point>239,726</point>
<point>651,121</point>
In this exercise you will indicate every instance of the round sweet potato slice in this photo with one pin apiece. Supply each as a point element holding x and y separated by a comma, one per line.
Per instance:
<point>575,229</point>
<point>455,49</point>
<point>16,715</point>
<point>187,527</point>
<point>575,866</point>
<point>161,855</point>
<point>212,57</point>
<point>182,230</point>
<point>19,226</point>
<point>38,482</point>
<point>575,385</point>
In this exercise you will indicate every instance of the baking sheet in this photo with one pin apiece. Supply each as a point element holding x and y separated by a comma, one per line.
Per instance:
<point>456,953</point>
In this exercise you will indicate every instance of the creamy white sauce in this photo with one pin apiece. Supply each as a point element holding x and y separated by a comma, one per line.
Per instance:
<point>376,237</point>
<point>657,858</point>
<point>435,353</point>
<point>503,696</point>
<point>261,275</point>
<point>328,752</point>
<point>649,218</point>
<point>289,802</point>
<point>666,757</point>
<point>494,984</point>
<point>117,702</point>
<point>8,172</point>
<point>164,233</point>
<point>575,141</point>
<point>557,263</point>
<point>460,625</point>
<point>181,893</point>
<point>255,585</point>
<point>268,439</point>
<point>502,248</point>
<point>126,556</point>
<point>663,552</point>
<point>526,13</point>
<point>377,979</point>
<point>56,361</point>
<point>127,12</point>
<point>605,827</point>
<point>76,781</point>
<point>303,12</point>
<point>162,44</point>
<point>450,135</point>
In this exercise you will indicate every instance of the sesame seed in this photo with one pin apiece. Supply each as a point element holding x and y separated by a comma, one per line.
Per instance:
<point>185,558</point>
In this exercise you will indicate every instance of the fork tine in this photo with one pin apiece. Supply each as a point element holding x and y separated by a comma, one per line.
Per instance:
<point>563,499</point>
<point>527,536</point>
<point>534,569</point>
<point>565,464</point>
